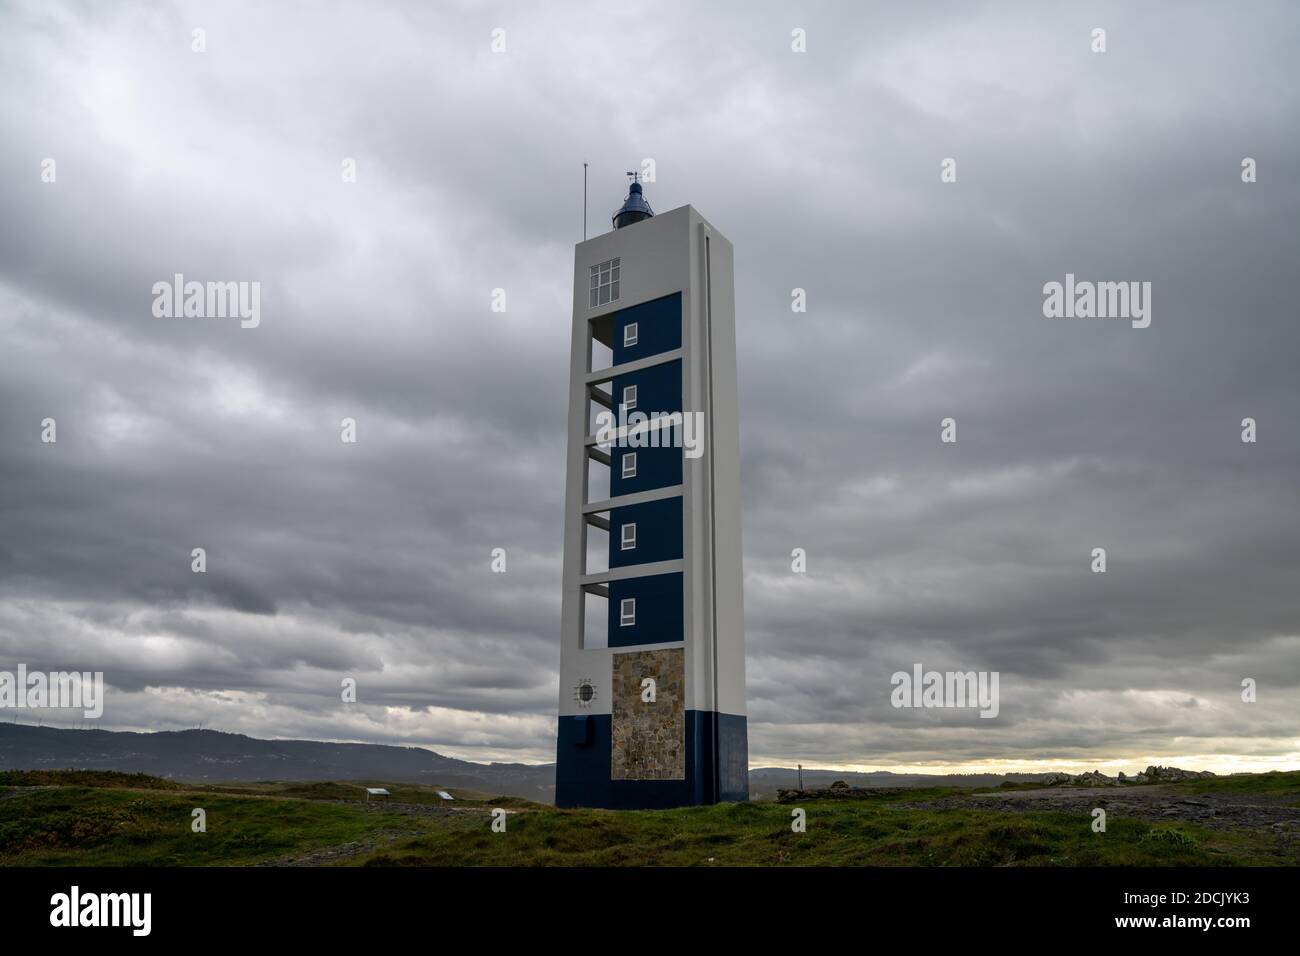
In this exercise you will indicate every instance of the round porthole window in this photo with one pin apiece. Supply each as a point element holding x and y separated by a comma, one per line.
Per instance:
<point>585,692</point>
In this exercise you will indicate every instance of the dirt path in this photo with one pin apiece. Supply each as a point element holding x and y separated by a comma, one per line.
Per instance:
<point>330,855</point>
<point>341,853</point>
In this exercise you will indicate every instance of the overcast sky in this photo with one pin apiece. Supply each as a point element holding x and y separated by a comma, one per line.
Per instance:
<point>925,301</point>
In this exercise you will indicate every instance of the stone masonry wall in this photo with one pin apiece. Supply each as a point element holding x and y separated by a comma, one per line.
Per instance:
<point>649,738</point>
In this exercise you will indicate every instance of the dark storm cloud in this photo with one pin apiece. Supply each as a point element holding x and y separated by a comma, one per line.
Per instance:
<point>924,301</point>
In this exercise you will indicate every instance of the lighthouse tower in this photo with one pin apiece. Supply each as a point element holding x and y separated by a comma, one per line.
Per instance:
<point>652,649</point>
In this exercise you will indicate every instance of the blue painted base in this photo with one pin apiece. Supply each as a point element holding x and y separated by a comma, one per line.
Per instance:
<point>717,765</point>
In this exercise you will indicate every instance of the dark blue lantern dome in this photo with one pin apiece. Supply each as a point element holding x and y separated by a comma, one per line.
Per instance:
<point>634,209</point>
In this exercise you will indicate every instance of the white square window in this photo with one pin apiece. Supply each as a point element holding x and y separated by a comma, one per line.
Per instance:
<point>629,464</point>
<point>629,536</point>
<point>627,612</point>
<point>629,334</point>
<point>629,397</point>
<point>604,283</point>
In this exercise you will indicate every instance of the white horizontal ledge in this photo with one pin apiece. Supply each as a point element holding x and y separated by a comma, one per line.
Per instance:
<point>637,498</point>
<point>635,571</point>
<point>650,361</point>
<point>653,646</point>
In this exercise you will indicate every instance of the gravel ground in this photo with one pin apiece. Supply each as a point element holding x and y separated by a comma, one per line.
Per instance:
<point>1216,811</point>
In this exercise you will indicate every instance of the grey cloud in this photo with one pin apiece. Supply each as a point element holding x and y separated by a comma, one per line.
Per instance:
<point>924,302</point>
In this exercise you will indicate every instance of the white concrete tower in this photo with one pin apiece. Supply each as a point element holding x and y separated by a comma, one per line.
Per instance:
<point>652,659</point>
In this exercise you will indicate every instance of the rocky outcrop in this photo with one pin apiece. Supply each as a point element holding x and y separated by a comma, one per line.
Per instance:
<point>1169,775</point>
<point>842,791</point>
<point>1094,779</point>
<point>1098,779</point>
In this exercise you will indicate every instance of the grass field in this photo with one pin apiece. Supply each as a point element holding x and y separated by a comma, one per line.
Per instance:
<point>104,819</point>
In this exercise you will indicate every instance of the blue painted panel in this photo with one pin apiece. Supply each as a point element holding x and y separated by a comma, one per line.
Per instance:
<point>659,616</point>
<point>659,328</point>
<point>715,769</point>
<point>655,468</point>
<point>732,738</point>
<point>658,388</point>
<point>582,767</point>
<point>658,532</point>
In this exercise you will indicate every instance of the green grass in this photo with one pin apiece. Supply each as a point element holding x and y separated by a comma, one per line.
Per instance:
<point>118,827</point>
<point>840,833</point>
<point>1277,783</point>
<point>355,790</point>
<point>127,819</point>
<point>84,778</point>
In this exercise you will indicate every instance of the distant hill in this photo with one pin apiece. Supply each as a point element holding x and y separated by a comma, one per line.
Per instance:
<point>210,756</point>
